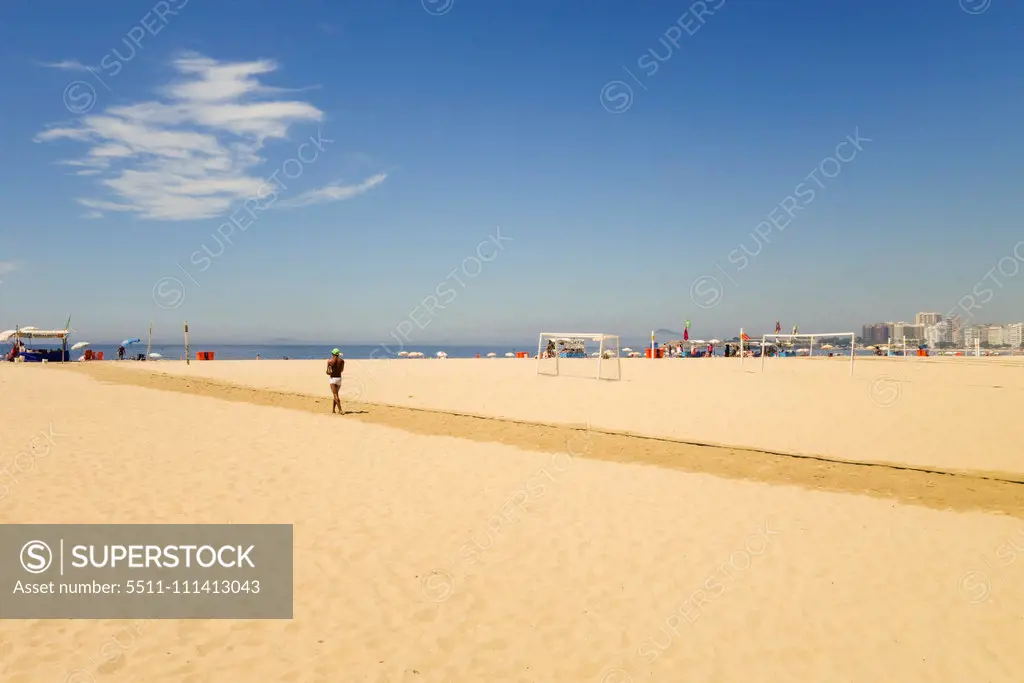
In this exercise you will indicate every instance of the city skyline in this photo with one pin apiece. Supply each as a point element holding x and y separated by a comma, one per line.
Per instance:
<point>936,330</point>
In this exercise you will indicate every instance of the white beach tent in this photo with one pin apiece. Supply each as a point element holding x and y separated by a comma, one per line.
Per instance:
<point>492,354</point>
<point>510,355</point>
<point>155,356</point>
<point>442,354</point>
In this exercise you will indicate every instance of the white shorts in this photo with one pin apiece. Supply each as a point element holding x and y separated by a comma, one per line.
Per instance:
<point>336,380</point>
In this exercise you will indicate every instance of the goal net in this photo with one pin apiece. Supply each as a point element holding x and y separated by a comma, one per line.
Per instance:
<point>577,354</point>
<point>804,344</point>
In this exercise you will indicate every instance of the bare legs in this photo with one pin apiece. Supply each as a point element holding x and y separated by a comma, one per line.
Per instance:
<point>337,400</point>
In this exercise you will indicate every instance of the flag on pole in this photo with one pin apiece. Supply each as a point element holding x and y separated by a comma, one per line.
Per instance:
<point>745,337</point>
<point>686,331</point>
<point>778,327</point>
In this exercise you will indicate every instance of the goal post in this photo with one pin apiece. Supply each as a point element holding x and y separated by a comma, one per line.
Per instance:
<point>811,337</point>
<point>554,348</point>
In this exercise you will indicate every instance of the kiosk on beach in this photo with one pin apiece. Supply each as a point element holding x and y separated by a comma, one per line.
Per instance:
<point>17,338</point>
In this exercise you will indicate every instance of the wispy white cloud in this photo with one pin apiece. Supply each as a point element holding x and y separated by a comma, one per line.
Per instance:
<point>103,206</point>
<point>7,267</point>
<point>92,215</point>
<point>191,154</point>
<point>334,192</point>
<point>65,65</point>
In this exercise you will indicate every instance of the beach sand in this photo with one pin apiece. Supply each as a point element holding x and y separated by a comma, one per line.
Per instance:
<point>949,414</point>
<point>436,547</point>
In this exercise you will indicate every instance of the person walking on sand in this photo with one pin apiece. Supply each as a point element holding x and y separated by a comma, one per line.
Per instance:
<point>336,366</point>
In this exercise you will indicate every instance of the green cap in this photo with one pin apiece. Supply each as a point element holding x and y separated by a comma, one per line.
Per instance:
<point>335,352</point>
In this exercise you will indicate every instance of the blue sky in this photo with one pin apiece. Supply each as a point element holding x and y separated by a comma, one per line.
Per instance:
<point>447,119</point>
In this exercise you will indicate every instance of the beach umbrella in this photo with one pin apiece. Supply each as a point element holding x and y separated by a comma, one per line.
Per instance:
<point>155,356</point>
<point>442,354</point>
<point>492,354</point>
<point>79,345</point>
<point>715,341</point>
<point>510,355</point>
<point>627,350</point>
<point>403,354</point>
<point>7,335</point>
<point>129,342</point>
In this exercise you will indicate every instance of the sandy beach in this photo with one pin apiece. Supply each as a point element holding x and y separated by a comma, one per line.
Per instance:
<point>205,199</point>
<point>432,544</point>
<point>949,414</point>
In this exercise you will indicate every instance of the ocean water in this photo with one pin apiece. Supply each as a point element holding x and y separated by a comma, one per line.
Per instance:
<point>303,351</point>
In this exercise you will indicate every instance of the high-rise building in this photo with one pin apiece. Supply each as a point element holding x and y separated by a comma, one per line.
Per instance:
<point>940,332</point>
<point>877,333</point>
<point>957,326</point>
<point>927,319</point>
<point>907,331</point>
<point>1015,335</point>
<point>972,335</point>
<point>995,335</point>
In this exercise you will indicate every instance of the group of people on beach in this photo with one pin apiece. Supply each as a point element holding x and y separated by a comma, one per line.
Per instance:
<point>674,349</point>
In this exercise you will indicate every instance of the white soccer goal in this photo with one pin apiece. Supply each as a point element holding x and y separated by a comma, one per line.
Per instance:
<point>812,337</point>
<point>593,355</point>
